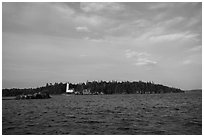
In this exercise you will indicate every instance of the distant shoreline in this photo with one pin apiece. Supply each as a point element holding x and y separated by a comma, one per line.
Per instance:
<point>194,90</point>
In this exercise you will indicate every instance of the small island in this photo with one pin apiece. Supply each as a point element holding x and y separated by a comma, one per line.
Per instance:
<point>90,88</point>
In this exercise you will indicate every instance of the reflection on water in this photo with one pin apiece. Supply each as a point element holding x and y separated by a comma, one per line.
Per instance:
<point>105,114</point>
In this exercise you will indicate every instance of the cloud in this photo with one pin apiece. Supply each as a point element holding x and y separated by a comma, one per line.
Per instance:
<point>187,62</point>
<point>158,5</point>
<point>165,30</point>
<point>193,58</point>
<point>100,6</point>
<point>76,17</point>
<point>160,16</point>
<point>63,9</point>
<point>144,61</point>
<point>129,28</point>
<point>193,21</point>
<point>196,48</point>
<point>94,40</point>
<point>174,36</point>
<point>91,20</point>
<point>172,21</point>
<point>130,54</point>
<point>82,29</point>
<point>140,58</point>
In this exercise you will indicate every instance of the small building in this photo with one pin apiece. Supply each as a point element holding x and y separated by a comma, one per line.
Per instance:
<point>86,92</point>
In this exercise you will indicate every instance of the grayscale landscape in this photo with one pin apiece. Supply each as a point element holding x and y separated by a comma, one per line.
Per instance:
<point>105,68</point>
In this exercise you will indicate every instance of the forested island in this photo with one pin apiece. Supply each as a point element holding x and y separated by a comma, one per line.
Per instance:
<point>110,87</point>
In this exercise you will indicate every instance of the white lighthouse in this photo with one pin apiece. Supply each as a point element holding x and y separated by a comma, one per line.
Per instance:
<point>69,91</point>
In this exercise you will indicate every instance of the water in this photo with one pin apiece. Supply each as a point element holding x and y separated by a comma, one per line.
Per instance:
<point>128,114</point>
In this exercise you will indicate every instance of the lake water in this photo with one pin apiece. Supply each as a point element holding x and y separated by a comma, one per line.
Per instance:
<point>129,114</point>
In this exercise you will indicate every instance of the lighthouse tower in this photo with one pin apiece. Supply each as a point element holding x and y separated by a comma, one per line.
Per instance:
<point>69,91</point>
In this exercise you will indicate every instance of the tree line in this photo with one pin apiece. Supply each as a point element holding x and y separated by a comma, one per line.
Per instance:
<point>110,87</point>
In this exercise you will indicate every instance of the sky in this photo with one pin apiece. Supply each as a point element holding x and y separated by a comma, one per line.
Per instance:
<point>75,42</point>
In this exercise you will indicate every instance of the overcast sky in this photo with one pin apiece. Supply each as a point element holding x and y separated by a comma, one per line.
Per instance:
<point>75,42</point>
